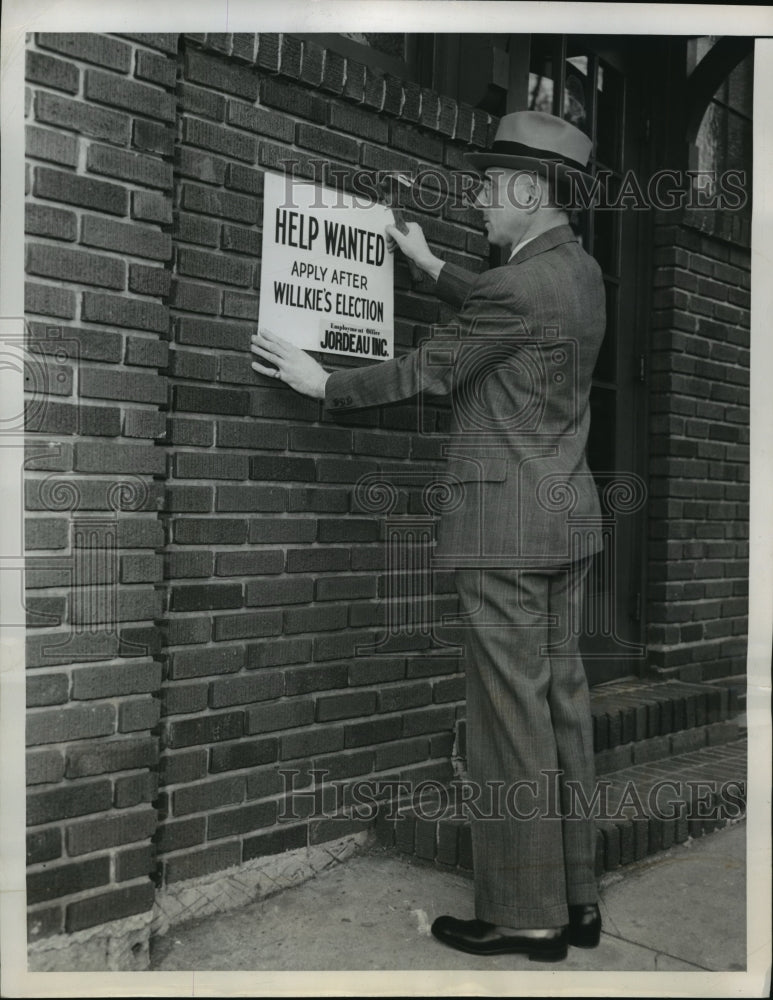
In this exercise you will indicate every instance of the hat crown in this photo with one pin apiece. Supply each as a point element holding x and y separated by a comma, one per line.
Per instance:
<point>544,133</point>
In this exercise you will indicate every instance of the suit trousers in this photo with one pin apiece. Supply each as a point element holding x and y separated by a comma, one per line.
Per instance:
<point>529,739</point>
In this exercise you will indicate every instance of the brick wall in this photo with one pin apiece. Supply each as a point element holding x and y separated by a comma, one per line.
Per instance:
<point>272,570</point>
<point>699,448</point>
<point>100,133</point>
<point>200,577</point>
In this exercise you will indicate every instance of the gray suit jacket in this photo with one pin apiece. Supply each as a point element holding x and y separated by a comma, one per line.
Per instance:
<point>518,368</point>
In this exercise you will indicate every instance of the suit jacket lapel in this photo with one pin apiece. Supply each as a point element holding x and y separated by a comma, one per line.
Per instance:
<point>545,241</point>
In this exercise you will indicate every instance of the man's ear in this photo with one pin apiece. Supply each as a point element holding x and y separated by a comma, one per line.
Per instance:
<point>536,193</point>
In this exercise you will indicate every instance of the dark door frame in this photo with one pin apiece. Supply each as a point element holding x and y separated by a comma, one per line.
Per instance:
<point>607,658</point>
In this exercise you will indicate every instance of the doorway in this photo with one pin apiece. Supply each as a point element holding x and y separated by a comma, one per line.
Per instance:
<point>595,84</point>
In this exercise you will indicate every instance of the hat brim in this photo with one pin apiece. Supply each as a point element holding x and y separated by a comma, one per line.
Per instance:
<point>481,161</point>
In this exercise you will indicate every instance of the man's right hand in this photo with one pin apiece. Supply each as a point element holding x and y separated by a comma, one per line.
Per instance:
<point>414,245</point>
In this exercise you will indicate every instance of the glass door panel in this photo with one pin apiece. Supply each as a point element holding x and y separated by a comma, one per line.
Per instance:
<point>577,104</point>
<point>609,121</point>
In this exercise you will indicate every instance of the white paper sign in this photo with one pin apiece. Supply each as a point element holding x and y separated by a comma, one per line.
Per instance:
<point>326,274</point>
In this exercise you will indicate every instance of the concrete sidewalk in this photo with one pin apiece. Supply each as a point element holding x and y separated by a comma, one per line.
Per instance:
<point>680,910</point>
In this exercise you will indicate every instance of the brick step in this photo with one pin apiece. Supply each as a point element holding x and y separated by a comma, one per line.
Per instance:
<point>658,748</point>
<point>630,709</point>
<point>637,822</point>
<point>711,793</point>
<point>736,684</point>
<point>637,720</point>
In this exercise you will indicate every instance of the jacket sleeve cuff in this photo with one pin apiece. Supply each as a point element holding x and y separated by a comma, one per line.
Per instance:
<point>454,284</point>
<point>337,394</point>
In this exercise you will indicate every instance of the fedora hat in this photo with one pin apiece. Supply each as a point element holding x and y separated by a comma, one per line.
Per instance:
<point>533,140</point>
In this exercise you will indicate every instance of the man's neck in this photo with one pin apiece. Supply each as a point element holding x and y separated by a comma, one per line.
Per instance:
<point>541,222</point>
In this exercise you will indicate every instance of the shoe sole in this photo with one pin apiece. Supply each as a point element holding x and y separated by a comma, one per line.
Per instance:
<point>555,955</point>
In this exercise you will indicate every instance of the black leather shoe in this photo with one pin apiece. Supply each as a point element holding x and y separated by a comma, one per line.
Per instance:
<point>481,938</point>
<point>584,925</point>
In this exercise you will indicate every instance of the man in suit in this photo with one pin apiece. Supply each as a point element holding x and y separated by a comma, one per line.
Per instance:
<point>522,538</point>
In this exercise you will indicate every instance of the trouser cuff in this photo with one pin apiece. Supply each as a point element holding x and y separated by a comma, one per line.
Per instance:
<point>521,918</point>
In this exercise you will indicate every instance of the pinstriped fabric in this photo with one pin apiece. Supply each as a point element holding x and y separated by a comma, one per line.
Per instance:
<point>528,727</point>
<point>519,373</point>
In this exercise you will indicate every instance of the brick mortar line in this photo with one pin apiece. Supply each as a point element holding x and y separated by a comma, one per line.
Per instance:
<point>106,252</point>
